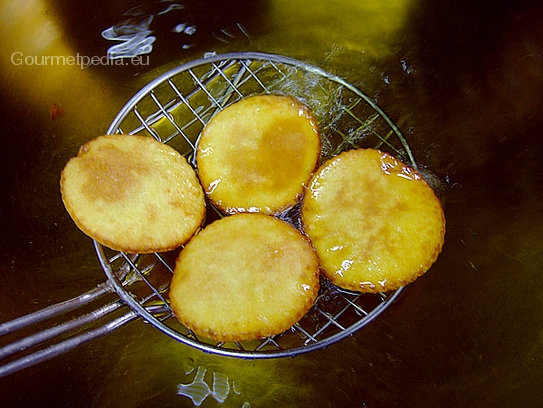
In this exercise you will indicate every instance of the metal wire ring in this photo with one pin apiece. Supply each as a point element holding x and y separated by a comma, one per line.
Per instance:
<point>174,108</point>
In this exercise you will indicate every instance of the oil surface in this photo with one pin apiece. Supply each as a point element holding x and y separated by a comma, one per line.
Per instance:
<point>462,79</point>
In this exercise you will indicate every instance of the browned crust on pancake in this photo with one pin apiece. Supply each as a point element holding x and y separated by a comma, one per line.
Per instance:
<point>133,194</point>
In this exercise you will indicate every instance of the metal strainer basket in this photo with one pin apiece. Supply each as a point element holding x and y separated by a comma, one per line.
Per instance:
<point>173,109</point>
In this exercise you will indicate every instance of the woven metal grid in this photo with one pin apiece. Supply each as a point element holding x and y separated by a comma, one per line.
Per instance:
<point>174,108</point>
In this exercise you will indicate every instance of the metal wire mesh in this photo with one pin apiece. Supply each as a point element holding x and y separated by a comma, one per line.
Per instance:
<point>174,108</point>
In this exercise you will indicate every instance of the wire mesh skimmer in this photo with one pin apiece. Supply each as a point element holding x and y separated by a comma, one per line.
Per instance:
<point>173,109</point>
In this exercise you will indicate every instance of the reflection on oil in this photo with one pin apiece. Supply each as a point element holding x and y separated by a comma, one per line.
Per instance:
<point>198,390</point>
<point>179,26</point>
<point>134,33</point>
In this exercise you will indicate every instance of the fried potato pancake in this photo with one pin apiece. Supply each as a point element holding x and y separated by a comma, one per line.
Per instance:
<point>244,277</point>
<point>375,223</point>
<point>133,194</point>
<point>258,154</point>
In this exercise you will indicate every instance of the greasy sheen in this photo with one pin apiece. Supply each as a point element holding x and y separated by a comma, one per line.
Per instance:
<point>258,154</point>
<point>375,223</point>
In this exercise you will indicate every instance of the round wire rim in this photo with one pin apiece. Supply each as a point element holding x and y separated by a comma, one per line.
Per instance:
<point>173,108</point>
